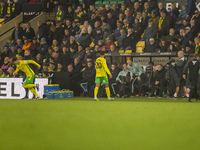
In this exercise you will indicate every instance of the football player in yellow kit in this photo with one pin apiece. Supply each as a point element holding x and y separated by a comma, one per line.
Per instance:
<point>101,76</point>
<point>30,75</point>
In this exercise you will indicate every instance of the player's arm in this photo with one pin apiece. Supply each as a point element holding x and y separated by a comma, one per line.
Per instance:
<point>16,71</point>
<point>185,69</point>
<point>33,62</point>
<point>106,68</point>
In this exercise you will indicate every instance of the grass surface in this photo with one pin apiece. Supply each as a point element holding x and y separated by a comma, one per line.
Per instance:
<point>84,124</point>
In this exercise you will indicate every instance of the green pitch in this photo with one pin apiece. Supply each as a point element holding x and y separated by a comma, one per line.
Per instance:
<point>84,124</point>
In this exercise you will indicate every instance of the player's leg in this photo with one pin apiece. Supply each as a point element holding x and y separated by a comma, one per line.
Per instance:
<point>105,82</point>
<point>96,91</point>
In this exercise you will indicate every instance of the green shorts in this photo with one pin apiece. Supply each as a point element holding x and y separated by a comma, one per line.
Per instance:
<point>102,80</point>
<point>29,80</point>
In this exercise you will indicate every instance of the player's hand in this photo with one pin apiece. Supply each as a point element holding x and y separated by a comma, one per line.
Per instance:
<point>131,79</point>
<point>14,73</point>
<point>39,67</point>
<point>157,82</point>
<point>110,76</point>
<point>139,78</point>
<point>184,76</point>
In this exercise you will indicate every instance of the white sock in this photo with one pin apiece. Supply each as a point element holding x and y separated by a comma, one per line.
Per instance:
<point>187,95</point>
<point>95,97</point>
<point>175,94</point>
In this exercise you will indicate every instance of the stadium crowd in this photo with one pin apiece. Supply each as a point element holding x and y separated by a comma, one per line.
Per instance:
<point>73,40</point>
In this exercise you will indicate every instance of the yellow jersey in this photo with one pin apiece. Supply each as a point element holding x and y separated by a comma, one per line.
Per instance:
<point>101,67</point>
<point>23,66</point>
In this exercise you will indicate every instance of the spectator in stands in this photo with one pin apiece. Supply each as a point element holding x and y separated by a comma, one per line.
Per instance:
<point>27,44</point>
<point>42,48</point>
<point>129,41</point>
<point>78,12</point>
<point>77,65</point>
<point>70,14</point>
<point>128,17</point>
<point>80,53</point>
<point>137,28</point>
<point>13,52</point>
<point>9,72</point>
<point>11,11</point>
<point>117,29</point>
<point>147,8</point>
<point>183,13</point>
<point>67,34</point>
<point>74,29</point>
<point>85,38</point>
<point>2,9</point>
<point>5,64</point>
<point>154,17</point>
<point>51,67</point>
<point>159,9</point>
<point>196,17</point>
<point>54,35</point>
<point>105,25</point>
<point>87,26</point>
<point>19,52</point>
<point>172,48</point>
<point>163,44</point>
<point>98,35</point>
<point>194,29</point>
<point>60,13</point>
<point>112,81</point>
<point>39,60</point>
<point>33,47</point>
<point>54,43</point>
<point>183,26</point>
<point>145,20</point>
<point>121,17</point>
<point>111,21</point>
<point>88,77</point>
<point>123,79</point>
<point>115,11</point>
<point>136,9</point>
<point>60,67</point>
<point>72,41</point>
<point>108,43</point>
<point>197,47</point>
<point>159,80</point>
<point>65,43</point>
<point>5,53</point>
<point>174,12</point>
<point>17,32</point>
<point>19,43</point>
<point>120,39</point>
<point>28,32</point>
<point>152,45</point>
<point>163,24</point>
<point>171,35</point>
<point>123,8</point>
<point>72,53</point>
<point>191,7</point>
<point>10,43</point>
<point>42,32</point>
<point>64,57</point>
<point>2,74</point>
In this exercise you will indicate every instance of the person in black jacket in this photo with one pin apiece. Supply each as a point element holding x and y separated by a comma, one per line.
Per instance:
<point>193,66</point>
<point>2,9</point>
<point>85,38</point>
<point>88,77</point>
<point>112,81</point>
<point>18,32</point>
<point>28,31</point>
<point>179,69</point>
<point>11,11</point>
<point>42,31</point>
<point>159,80</point>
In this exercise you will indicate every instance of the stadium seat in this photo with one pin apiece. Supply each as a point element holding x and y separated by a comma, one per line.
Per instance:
<point>120,2</point>
<point>121,51</point>
<point>1,20</point>
<point>113,2</point>
<point>140,47</point>
<point>98,2</point>
<point>106,2</point>
<point>128,51</point>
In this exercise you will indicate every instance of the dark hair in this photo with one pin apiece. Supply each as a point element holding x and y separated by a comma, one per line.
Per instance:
<point>14,59</point>
<point>151,63</point>
<point>195,55</point>
<point>102,53</point>
<point>60,62</point>
<point>89,57</point>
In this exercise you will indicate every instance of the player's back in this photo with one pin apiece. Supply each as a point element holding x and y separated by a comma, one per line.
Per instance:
<point>100,69</point>
<point>23,66</point>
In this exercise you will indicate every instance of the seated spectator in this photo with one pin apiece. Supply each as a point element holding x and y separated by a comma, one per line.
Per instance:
<point>163,44</point>
<point>144,20</point>
<point>77,65</point>
<point>67,34</point>
<point>64,57</point>
<point>112,81</point>
<point>72,53</point>
<point>60,67</point>
<point>115,11</point>
<point>101,10</point>
<point>123,79</point>
<point>19,43</point>
<point>2,9</point>
<point>174,12</point>
<point>87,26</point>
<point>183,13</point>
<point>171,35</point>
<point>111,21</point>
<point>139,16</point>
<point>19,52</point>
<point>55,43</point>
<point>42,31</point>
<point>183,25</point>
<point>194,29</point>
<point>176,43</point>
<point>127,25</point>
<point>5,53</point>
<point>121,17</point>
<point>123,8</point>
<point>152,45</point>
<point>42,48</point>
<point>78,12</point>
<point>29,32</point>
<point>196,18</point>
<point>150,32</point>
<point>2,74</point>
<point>39,60</point>
<point>108,43</point>
<point>11,11</point>
<point>48,55</point>
<point>159,80</point>
<point>74,29</point>
<point>128,17</point>
<point>129,41</point>
<point>147,9</point>
<point>188,50</point>
<point>70,13</point>
<point>172,48</point>
<point>65,43</point>
<point>108,9</point>
<point>17,32</point>
<point>80,53</point>
<point>10,43</point>
<point>45,67</point>
<point>105,25</point>
<point>68,24</point>
<point>57,50</point>
<point>138,29</point>
<point>27,44</point>
<point>159,9</point>
<point>197,47</point>
<point>88,77</point>
<point>51,67</point>
<point>117,30</point>
<point>107,34</point>
<point>98,36</point>
<point>154,17</point>
<point>5,64</point>
<point>60,14</point>
<point>13,52</point>
<point>85,38</point>
<point>136,9</point>
<point>33,47</point>
<point>9,72</point>
<point>55,34</point>
<point>70,69</point>
<point>72,42</point>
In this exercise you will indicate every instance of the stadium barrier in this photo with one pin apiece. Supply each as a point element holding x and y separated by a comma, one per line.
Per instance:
<point>11,88</point>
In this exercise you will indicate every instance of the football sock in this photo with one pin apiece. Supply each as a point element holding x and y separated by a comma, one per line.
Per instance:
<point>29,86</point>
<point>33,91</point>
<point>96,91</point>
<point>108,92</point>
